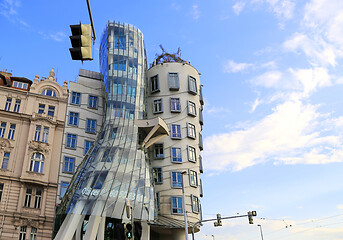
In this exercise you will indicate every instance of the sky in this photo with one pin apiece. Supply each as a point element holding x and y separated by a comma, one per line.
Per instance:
<point>273,82</point>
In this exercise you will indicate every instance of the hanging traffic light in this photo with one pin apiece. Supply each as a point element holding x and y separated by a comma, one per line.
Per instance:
<point>250,214</point>
<point>128,232</point>
<point>81,41</point>
<point>219,221</point>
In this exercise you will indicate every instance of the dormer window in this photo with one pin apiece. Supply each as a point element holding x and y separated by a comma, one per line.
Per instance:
<point>49,92</point>
<point>20,85</point>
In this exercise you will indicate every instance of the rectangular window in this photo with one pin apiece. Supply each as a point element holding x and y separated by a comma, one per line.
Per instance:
<point>175,131</point>
<point>157,106</point>
<point>176,179</point>
<point>1,190</point>
<point>176,155</point>
<point>191,130</point>
<point>28,195</point>
<point>173,81</point>
<point>158,201</point>
<point>64,186</point>
<point>2,129</point>
<point>192,85</point>
<point>71,140</point>
<point>92,101</point>
<point>19,85</point>
<point>176,205</point>
<point>88,145</point>
<point>191,109</point>
<point>158,176</point>
<point>120,42</point>
<point>38,132</point>
<point>8,104</point>
<point>155,87</point>
<point>33,235</point>
<point>195,204</point>
<point>73,118</point>
<point>41,108</point>
<point>22,233</point>
<point>68,164</point>
<point>193,178</point>
<point>175,105</point>
<point>11,131</point>
<point>51,111</point>
<point>75,98</point>
<point>17,105</point>
<point>192,154</point>
<point>158,150</point>
<point>45,135</point>
<point>38,198</point>
<point>91,125</point>
<point>121,66</point>
<point>5,160</point>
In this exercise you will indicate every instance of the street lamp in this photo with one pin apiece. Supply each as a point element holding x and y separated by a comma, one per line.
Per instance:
<point>184,205</point>
<point>260,230</point>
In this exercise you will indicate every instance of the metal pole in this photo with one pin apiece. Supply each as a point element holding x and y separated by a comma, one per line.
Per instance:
<point>91,18</point>
<point>261,230</point>
<point>184,206</point>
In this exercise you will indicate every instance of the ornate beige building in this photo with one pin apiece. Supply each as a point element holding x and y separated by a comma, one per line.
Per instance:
<point>31,129</point>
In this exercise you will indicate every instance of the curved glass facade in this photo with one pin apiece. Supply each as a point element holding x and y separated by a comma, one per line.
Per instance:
<point>116,167</point>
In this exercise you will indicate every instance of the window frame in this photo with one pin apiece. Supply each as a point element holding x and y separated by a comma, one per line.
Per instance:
<point>89,125</point>
<point>11,131</point>
<point>28,197</point>
<point>41,108</point>
<point>178,176</point>
<point>157,105</point>
<point>158,175</point>
<point>38,132</point>
<point>191,130</point>
<point>175,105</point>
<point>45,134</point>
<point>193,178</point>
<point>22,232</point>
<point>3,126</point>
<point>17,105</point>
<point>1,190</point>
<point>175,134</point>
<point>67,163</point>
<point>190,105</point>
<point>62,188</point>
<point>177,198</point>
<point>154,80</point>
<point>48,90</point>
<point>192,85</point>
<point>8,104</point>
<point>51,111</point>
<point>173,76</point>
<point>178,159</point>
<point>72,117</point>
<point>197,209</point>
<point>70,139</point>
<point>38,198</point>
<point>75,98</point>
<point>5,160</point>
<point>85,146</point>
<point>37,161</point>
<point>93,100</point>
<point>160,148</point>
<point>190,152</point>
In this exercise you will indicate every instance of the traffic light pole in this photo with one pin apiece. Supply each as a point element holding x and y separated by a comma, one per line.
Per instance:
<point>91,18</point>
<point>214,219</point>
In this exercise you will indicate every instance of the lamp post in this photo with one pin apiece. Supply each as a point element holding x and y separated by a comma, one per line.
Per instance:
<point>184,205</point>
<point>260,230</point>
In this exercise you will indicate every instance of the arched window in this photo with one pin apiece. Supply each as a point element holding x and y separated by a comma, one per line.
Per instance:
<point>49,92</point>
<point>37,163</point>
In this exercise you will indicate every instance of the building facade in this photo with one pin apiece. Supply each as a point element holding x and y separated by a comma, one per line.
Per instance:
<point>31,128</point>
<point>83,120</point>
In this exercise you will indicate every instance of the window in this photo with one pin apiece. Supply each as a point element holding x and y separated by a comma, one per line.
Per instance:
<point>38,198</point>
<point>195,204</point>
<point>120,42</point>
<point>17,105</point>
<point>192,85</point>
<point>157,106</point>
<point>5,160</point>
<point>176,205</point>
<point>68,164</point>
<point>158,176</point>
<point>1,190</point>
<point>121,66</point>
<point>191,108</point>
<point>91,126</point>
<point>88,145</point>
<point>51,111</point>
<point>22,233</point>
<point>2,129</point>
<point>73,118</point>
<point>28,196</point>
<point>175,105</point>
<point>191,130</point>
<point>49,92</point>
<point>64,186</point>
<point>37,133</point>
<point>19,85</point>
<point>37,163</point>
<point>71,141</point>
<point>33,235</point>
<point>75,98</point>
<point>92,101</point>
<point>175,131</point>
<point>193,178</point>
<point>176,155</point>
<point>192,154</point>
<point>45,135</point>
<point>173,81</point>
<point>158,200</point>
<point>158,150</point>
<point>11,131</point>
<point>176,178</point>
<point>154,84</point>
<point>8,104</point>
<point>41,108</point>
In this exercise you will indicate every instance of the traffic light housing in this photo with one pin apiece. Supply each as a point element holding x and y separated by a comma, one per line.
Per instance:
<point>250,215</point>
<point>219,221</point>
<point>128,231</point>
<point>81,41</point>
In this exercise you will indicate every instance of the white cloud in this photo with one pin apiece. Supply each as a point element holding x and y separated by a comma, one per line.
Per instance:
<point>195,12</point>
<point>340,207</point>
<point>256,103</point>
<point>59,36</point>
<point>230,66</point>
<point>238,7</point>
<point>268,79</point>
<point>283,9</point>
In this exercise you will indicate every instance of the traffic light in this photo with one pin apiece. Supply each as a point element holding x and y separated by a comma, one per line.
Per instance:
<point>250,214</point>
<point>219,221</point>
<point>81,42</point>
<point>128,232</point>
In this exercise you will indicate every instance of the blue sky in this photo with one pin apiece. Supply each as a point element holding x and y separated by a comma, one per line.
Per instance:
<point>272,76</point>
